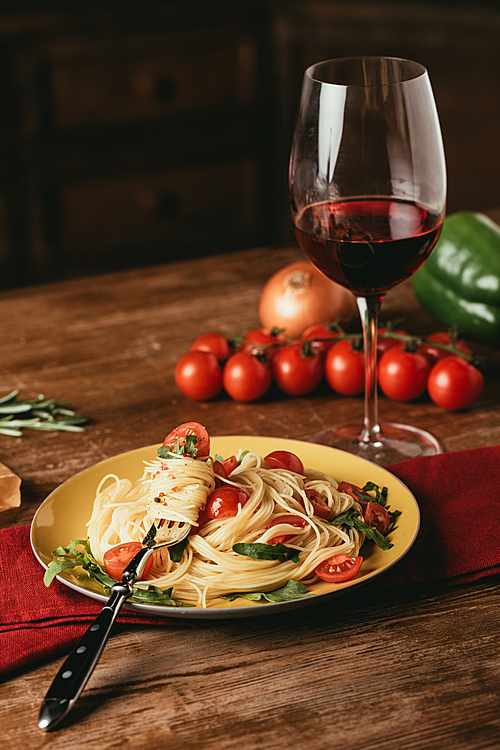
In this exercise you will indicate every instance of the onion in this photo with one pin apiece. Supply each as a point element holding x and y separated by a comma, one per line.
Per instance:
<point>298,296</point>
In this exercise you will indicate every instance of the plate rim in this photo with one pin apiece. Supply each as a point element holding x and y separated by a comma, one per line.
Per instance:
<point>251,609</point>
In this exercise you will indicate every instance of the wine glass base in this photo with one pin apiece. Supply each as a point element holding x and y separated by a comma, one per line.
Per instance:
<point>397,442</point>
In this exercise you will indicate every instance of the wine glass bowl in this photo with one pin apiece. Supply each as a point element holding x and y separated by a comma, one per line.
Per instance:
<point>367,197</point>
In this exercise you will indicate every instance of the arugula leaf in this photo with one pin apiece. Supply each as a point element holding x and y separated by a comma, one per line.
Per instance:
<point>291,590</point>
<point>177,550</point>
<point>145,593</point>
<point>220,458</point>
<point>352,517</point>
<point>260,551</point>
<point>380,494</point>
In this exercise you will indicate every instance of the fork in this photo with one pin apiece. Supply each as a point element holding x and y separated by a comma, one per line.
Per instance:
<point>76,670</point>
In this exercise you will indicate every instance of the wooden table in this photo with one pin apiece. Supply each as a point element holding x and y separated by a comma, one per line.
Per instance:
<point>378,670</point>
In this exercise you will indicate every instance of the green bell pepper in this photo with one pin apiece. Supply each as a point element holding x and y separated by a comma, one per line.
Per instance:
<point>459,284</point>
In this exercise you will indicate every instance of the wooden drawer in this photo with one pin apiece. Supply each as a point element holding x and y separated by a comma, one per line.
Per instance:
<point>113,82</point>
<point>188,206</point>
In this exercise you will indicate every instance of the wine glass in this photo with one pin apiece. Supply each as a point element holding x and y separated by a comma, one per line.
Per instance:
<point>367,196</point>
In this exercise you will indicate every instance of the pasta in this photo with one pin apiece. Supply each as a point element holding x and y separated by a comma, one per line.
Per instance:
<point>178,489</point>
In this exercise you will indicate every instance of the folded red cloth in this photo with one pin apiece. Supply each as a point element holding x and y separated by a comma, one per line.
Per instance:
<point>458,542</point>
<point>458,495</point>
<point>36,622</point>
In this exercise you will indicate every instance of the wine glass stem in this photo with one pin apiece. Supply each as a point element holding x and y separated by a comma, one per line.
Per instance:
<point>369,308</point>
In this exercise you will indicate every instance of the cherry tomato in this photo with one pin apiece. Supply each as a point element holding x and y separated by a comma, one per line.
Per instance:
<point>260,338</point>
<point>245,377</point>
<point>296,371</point>
<point>180,434</point>
<point>225,502</point>
<point>220,473</point>
<point>198,375</point>
<point>402,375</point>
<point>296,521</point>
<point>376,515</point>
<point>383,344</point>
<point>285,460</point>
<point>321,331</point>
<point>319,505</point>
<point>345,368</point>
<point>338,568</point>
<point>454,383</point>
<point>351,489</point>
<point>230,464</point>
<point>117,558</point>
<point>214,343</point>
<point>224,468</point>
<point>435,353</point>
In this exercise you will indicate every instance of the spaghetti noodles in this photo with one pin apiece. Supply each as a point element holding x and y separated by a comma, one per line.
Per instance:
<point>178,488</point>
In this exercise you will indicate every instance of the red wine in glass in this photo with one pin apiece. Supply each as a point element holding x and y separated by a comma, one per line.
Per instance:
<point>367,245</point>
<point>367,195</point>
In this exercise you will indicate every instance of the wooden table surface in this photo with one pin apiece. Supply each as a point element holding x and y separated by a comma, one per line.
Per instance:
<point>381,670</point>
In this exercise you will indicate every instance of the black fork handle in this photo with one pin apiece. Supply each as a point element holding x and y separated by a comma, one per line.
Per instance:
<point>76,670</point>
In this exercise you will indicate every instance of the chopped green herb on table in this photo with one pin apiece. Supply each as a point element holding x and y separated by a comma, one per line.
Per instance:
<point>43,414</point>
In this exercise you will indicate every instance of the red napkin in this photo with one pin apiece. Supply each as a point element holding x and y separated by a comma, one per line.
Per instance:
<point>39,623</point>
<point>459,498</point>
<point>458,494</point>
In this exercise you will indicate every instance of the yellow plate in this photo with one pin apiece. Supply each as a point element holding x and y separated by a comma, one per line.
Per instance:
<point>64,514</point>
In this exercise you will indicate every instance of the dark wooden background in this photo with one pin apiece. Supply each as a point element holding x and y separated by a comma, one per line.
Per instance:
<point>138,133</point>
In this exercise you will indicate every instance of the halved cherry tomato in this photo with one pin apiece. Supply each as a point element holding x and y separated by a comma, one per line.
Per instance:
<point>215,343</point>
<point>180,434</point>
<point>225,502</point>
<point>376,515</point>
<point>223,468</point>
<point>351,489</point>
<point>230,464</point>
<point>338,568</point>
<point>319,505</point>
<point>220,473</point>
<point>117,558</point>
<point>296,521</point>
<point>285,460</point>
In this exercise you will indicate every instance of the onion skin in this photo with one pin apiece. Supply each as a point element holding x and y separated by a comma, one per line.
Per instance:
<point>298,296</point>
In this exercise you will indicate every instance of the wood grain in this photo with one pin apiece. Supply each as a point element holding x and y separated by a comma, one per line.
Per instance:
<point>382,670</point>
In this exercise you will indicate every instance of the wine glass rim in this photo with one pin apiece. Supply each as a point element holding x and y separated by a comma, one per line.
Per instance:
<point>419,69</point>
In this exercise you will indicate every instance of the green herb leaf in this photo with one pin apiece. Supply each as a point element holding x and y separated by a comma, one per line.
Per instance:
<point>72,557</point>
<point>352,518</point>
<point>38,414</point>
<point>380,494</point>
<point>177,550</point>
<point>291,590</point>
<point>260,551</point>
<point>144,593</point>
<point>188,449</point>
